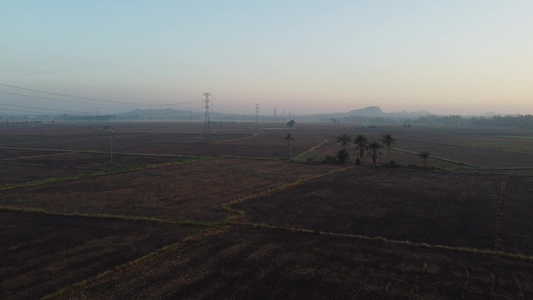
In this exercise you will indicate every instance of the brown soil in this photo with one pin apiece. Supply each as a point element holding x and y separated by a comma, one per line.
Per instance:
<point>409,205</point>
<point>278,230</point>
<point>246,263</point>
<point>194,190</point>
<point>42,253</point>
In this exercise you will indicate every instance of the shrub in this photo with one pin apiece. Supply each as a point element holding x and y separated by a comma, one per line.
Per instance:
<point>329,159</point>
<point>392,164</point>
<point>342,156</point>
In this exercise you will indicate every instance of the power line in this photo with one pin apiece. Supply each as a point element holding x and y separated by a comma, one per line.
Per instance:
<point>38,97</point>
<point>80,97</point>
<point>63,95</point>
<point>40,108</point>
<point>17,110</point>
<point>225,108</point>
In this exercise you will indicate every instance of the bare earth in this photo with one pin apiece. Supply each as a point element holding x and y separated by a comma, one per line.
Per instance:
<point>185,215</point>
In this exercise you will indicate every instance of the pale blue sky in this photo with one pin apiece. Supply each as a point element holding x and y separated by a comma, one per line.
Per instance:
<point>447,57</point>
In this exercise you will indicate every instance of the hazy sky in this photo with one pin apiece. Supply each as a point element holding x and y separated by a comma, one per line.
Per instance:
<point>446,57</point>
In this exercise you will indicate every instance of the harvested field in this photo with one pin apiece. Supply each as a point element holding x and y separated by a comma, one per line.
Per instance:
<point>180,213</point>
<point>192,190</point>
<point>43,253</point>
<point>243,263</point>
<point>517,224</point>
<point>408,205</point>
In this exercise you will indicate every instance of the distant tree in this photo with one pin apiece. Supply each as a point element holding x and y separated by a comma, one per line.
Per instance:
<point>344,139</point>
<point>289,138</point>
<point>374,148</point>
<point>291,123</point>
<point>335,121</point>
<point>388,141</point>
<point>424,155</point>
<point>361,144</point>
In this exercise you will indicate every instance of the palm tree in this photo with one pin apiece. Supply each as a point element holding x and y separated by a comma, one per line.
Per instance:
<point>374,150</point>
<point>424,155</point>
<point>388,141</point>
<point>289,138</point>
<point>361,144</point>
<point>344,139</point>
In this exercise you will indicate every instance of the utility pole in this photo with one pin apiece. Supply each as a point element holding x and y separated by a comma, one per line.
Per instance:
<point>111,131</point>
<point>257,114</point>
<point>111,147</point>
<point>206,107</point>
<point>275,113</point>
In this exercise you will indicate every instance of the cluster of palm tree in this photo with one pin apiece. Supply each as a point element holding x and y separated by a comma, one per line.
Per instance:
<point>343,155</point>
<point>362,144</point>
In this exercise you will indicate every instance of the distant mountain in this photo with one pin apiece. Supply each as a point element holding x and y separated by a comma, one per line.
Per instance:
<point>159,114</point>
<point>372,111</point>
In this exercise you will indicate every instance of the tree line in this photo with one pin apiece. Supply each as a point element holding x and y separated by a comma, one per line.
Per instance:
<point>520,121</point>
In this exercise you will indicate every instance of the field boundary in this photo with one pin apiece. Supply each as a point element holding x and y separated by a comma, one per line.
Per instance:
<point>67,151</point>
<point>129,218</point>
<point>312,148</point>
<point>485,252</point>
<point>443,159</point>
<point>239,139</point>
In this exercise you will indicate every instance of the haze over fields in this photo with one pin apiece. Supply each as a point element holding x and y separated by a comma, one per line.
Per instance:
<point>299,57</point>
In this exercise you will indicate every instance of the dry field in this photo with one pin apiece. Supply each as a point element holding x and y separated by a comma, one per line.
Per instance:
<point>181,214</point>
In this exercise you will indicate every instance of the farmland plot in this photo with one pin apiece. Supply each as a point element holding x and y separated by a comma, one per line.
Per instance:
<point>38,166</point>
<point>43,253</point>
<point>242,263</point>
<point>493,148</point>
<point>474,156</point>
<point>517,224</point>
<point>193,190</point>
<point>417,206</point>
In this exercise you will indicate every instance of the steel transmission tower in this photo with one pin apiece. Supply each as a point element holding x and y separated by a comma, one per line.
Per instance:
<point>206,106</point>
